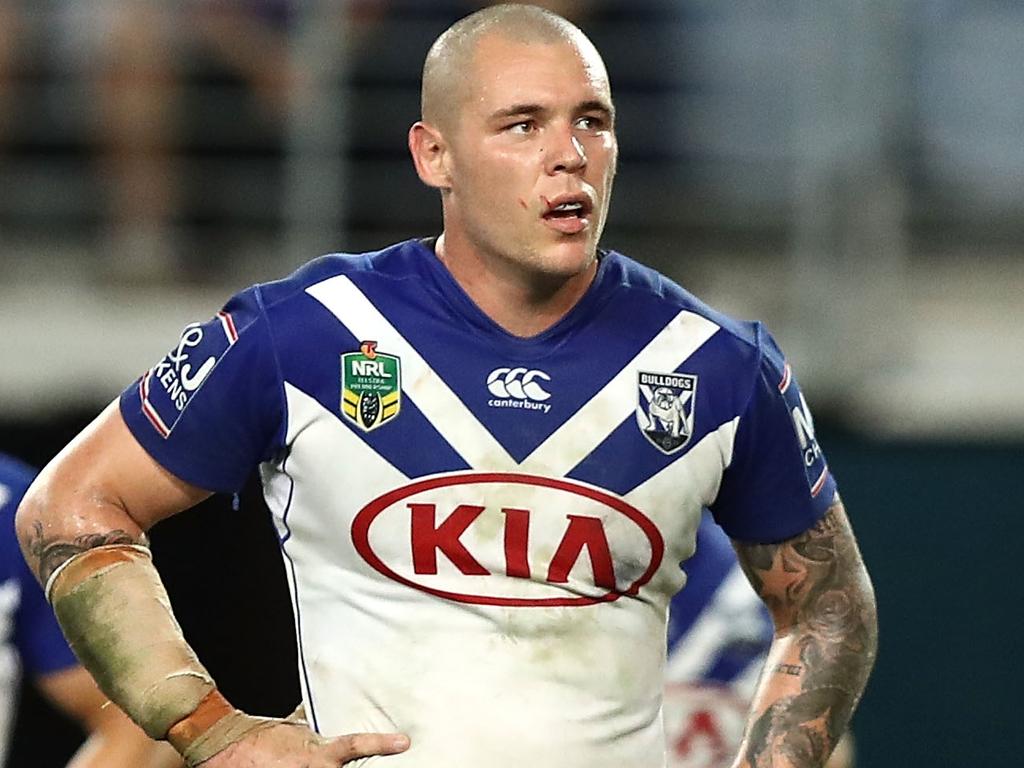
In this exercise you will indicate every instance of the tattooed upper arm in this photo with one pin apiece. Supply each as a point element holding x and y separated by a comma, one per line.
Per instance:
<point>46,554</point>
<point>821,599</point>
<point>817,575</point>
<point>102,489</point>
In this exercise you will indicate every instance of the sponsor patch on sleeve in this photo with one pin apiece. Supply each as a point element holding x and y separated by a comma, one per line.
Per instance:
<point>815,465</point>
<point>168,387</point>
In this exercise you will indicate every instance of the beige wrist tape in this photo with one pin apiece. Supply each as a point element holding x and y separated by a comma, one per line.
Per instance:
<point>215,725</point>
<point>211,728</point>
<point>117,618</point>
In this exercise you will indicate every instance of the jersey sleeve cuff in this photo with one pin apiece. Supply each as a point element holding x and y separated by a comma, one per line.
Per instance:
<point>153,440</point>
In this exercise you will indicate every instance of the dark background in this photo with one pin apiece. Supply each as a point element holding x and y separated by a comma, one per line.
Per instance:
<point>939,525</point>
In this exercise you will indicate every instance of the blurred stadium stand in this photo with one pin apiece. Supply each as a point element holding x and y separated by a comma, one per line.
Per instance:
<point>852,173</point>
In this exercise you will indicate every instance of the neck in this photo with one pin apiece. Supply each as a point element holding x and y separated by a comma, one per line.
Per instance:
<point>523,303</point>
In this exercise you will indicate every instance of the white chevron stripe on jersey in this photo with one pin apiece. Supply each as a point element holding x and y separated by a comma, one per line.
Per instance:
<point>592,423</point>
<point>420,382</point>
<point>330,437</point>
<point>684,487</point>
<point>313,509</point>
<point>692,479</point>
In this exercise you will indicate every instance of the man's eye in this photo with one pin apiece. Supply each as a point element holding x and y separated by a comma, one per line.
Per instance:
<point>590,123</point>
<point>523,127</point>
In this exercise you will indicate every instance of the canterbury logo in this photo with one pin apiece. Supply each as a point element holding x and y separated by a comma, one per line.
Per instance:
<point>518,384</point>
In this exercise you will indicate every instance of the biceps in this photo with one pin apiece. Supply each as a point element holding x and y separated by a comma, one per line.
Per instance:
<point>817,575</point>
<point>102,488</point>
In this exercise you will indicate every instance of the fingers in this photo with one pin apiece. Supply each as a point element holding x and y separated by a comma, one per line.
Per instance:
<point>292,745</point>
<point>347,748</point>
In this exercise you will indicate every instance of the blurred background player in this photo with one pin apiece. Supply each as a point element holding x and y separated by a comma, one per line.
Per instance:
<point>31,640</point>
<point>719,632</point>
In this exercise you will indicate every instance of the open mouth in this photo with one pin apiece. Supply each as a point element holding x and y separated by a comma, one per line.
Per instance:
<point>568,213</point>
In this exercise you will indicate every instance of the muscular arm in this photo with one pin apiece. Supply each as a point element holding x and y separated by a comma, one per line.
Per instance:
<point>114,740</point>
<point>103,488</point>
<point>82,528</point>
<point>823,606</point>
<point>95,501</point>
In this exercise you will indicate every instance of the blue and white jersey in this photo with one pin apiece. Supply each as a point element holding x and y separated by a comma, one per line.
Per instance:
<point>482,532</point>
<point>719,632</point>
<point>28,629</point>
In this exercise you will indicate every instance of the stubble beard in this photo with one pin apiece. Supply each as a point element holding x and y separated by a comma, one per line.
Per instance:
<point>546,266</point>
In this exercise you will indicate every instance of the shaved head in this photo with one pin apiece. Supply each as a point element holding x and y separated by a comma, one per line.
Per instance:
<point>448,67</point>
<point>518,135</point>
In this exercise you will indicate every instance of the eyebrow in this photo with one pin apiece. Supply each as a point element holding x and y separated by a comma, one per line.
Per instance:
<point>595,105</point>
<point>516,110</point>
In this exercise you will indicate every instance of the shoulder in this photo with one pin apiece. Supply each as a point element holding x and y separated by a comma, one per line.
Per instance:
<point>395,262</point>
<point>738,339</point>
<point>289,299</point>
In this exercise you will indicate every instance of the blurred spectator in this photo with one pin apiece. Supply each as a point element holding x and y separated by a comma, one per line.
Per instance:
<point>134,61</point>
<point>129,57</point>
<point>136,57</point>
<point>8,35</point>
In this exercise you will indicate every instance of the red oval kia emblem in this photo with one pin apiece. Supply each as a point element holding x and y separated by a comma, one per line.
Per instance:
<point>509,539</point>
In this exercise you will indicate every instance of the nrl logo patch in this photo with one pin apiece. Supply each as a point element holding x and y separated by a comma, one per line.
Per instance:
<point>371,386</point>
<point>664,408</point>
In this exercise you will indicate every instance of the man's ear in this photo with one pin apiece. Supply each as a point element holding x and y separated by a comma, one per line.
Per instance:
<point>430,155</point>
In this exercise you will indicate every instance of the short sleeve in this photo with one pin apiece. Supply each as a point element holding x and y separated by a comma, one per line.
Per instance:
<point>213,408</point>
<point>778,483</point>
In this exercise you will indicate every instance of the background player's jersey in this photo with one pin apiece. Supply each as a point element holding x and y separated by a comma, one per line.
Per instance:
<point>718,636</point>
<point>482,532</point>
<point>28,629</point>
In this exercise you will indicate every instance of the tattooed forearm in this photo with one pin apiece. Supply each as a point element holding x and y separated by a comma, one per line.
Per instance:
<point>826,635</point>
<point>50,553</point>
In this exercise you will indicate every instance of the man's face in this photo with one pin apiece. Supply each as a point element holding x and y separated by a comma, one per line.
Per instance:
<point>533,156</point>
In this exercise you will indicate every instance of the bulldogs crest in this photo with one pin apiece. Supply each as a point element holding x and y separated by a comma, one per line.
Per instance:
<point>664,410</point>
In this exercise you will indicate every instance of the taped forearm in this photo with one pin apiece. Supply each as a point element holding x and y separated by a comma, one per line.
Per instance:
<point>116,615</point>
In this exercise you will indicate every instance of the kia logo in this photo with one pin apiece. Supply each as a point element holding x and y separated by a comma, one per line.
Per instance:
<point>509,539</point>
<point>517,383</point>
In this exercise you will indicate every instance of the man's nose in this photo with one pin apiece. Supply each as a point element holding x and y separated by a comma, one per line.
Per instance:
<point>566,154</point>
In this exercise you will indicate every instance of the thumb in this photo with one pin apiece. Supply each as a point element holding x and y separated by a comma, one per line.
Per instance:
<point>354,746</point>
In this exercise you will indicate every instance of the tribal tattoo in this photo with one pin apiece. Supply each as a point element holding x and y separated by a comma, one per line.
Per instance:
<point>824,608</point>
<point>51,553</point>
